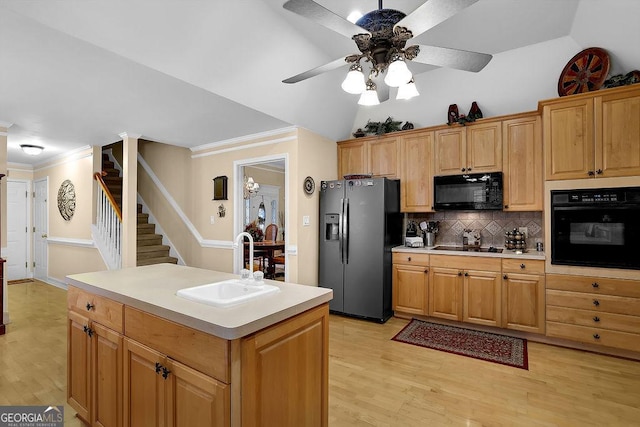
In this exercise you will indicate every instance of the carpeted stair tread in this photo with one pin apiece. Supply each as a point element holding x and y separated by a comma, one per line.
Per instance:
<point>146,228</point>
<point>159,260</point>
<point>148,239</point>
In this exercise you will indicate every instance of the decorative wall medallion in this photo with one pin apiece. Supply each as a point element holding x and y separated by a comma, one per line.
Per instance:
<point>67,200</point>
<point>309,185</point>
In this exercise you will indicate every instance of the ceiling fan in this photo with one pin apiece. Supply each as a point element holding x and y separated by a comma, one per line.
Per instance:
<point>381,36</point>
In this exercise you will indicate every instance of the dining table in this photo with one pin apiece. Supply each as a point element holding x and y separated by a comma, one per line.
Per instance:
<point>265,249</point>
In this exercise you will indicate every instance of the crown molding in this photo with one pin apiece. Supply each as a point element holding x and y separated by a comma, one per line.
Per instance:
<point>5,124</point>
<point>130,135</point>
<point>246,138</point>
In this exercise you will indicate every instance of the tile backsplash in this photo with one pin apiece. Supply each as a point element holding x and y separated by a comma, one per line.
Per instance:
<point>492,225</point>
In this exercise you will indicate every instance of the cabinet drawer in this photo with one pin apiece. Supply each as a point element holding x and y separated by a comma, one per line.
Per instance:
<point>411,258</point>
<point>97,308</point>
<point>597,303</point>
<point>466,262</point>
<point>198,350</point>
<point>594,285</point>
<point>623,340</point>
<point>529,266</point>
<point>594,319</point>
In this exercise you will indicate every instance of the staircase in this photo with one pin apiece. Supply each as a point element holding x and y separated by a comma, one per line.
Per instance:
<point>149,247</point>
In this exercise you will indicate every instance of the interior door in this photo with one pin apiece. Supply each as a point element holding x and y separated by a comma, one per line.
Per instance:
<point>40,223</point>
<point>17,230</point>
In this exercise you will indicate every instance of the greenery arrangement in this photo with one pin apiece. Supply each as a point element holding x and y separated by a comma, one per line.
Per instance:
<point>255,231</point>
<point>380,128</point>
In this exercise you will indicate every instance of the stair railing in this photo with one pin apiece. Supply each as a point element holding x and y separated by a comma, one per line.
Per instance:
<point>108,225</point>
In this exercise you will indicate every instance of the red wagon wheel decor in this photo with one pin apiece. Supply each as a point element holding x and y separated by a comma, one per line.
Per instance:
<point>584,72</point>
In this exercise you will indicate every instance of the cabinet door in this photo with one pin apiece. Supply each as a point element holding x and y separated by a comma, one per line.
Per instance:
<point>352,158</point>
<point>382,157</point>
<point>410,288</point>
<point>195,399</point>
<point>522,164</point>
<point>286,366</point>
<point>144,394</point>
<point>482,297</point>
<point>78,365</point>
<point>416,166</point>
<point>618,137</point>
<point>569,139</point>
<point>450,151</point>
<point>445,293</point>
<point>484,147</point>
<point>106,361</point>
<point>523,300</point>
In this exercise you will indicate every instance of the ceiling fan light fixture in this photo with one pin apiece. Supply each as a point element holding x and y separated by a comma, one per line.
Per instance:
<point>408,90</point>
<point>32,150</point>
<point>369,96</point>
<point>354,82</point>
<point>397,73</point>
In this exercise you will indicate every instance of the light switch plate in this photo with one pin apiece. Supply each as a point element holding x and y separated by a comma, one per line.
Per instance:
<point>306,221</point>
<point>213,219</point>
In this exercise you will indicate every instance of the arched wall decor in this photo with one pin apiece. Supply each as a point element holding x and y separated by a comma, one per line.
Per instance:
<point>67,200</point>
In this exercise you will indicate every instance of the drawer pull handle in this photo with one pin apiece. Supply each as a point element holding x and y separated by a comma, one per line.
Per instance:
<point>408,258</point>
<point>426,270</point>
<point>88,331</point>
<point>462,170</point>
<point>596,302</point>
<point>596,319</point>
<point>596,336</point>
<point>459,273</point>
<point>595,285</point>
<point>522,266</point>
<point>90,306</point>
<point>591,173</point>
<point>505,277</point>
<point>165,372</point>
<point>466,274</point>
<point>599,172</point>
<point>158,368</point>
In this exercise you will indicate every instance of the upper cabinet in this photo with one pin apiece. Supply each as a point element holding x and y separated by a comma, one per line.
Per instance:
<point>596,134</point>
<point>416,172</point>
<point>375,155</point>
<point>522,163</point>
<point>468,149</point>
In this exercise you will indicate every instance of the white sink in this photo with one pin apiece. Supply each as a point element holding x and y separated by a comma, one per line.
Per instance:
<point>228,292</point>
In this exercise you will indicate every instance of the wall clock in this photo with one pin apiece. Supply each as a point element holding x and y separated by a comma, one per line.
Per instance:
<point>309,185</point>
<point>67,200</point>
<point>585,72</point>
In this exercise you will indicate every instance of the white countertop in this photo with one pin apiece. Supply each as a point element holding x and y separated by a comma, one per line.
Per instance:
<point>153,289</point>
<point>506,253</point>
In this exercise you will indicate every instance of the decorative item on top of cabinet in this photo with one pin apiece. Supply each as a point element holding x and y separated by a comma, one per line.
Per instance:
<point>585,72</point>
<point>410,283</point>
<point>473,148</point>
<point>592,135</point>
<point>380,128</point>
<point>522,163</point>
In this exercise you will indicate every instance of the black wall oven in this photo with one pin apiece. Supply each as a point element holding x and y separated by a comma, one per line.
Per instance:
<point>596,227</point>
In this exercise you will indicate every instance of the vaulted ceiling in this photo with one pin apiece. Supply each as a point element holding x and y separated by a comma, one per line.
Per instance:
<point>194,72</point>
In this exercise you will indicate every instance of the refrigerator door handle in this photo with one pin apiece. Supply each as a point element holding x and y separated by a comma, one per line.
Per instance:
<point>341,231</point>
<point>345,230</point>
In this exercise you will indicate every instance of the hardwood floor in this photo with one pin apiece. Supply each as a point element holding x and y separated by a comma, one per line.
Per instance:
<point>373,381</point>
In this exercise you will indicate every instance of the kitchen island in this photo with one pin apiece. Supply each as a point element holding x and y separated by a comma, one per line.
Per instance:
<point>140,355</point>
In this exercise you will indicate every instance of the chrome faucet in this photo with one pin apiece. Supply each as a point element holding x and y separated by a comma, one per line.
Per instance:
<point>237,244</point>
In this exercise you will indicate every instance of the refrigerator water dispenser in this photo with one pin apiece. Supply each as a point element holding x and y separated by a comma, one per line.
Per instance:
<point>331,224</point>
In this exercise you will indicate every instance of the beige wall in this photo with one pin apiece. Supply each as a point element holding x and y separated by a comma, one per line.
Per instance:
<point>188,178</point>
<point>64,259</point>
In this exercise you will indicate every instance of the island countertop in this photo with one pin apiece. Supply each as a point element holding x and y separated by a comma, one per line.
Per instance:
<point>153,289</point>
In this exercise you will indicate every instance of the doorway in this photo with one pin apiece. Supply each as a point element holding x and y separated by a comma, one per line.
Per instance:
<point>18,218</point>
<point>268,205</point>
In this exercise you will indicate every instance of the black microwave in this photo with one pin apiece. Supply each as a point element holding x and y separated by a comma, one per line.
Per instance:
<point>478,191</point>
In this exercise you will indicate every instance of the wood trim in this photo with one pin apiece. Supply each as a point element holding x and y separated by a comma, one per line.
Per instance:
<point>98,177</point>
<point>102,310</point>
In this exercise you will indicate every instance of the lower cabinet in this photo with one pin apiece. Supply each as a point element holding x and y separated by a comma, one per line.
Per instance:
<point>159,391</point>
<point>523,295</point>
<point>410,283</point>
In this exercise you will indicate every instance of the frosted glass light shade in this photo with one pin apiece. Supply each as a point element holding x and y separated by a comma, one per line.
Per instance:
<point>354,82</point>
<point>397,74</point>
<point>32,150</point>
<point>369,97</point>
<point>407,91</point>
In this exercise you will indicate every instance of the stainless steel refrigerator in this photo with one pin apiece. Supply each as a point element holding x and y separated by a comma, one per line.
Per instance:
<point>360,222</point>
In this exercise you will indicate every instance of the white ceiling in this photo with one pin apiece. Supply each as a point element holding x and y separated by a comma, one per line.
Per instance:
<point>193,72</point>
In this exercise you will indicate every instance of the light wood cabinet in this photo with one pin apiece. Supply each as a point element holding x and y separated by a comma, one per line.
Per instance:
<point>600,311</point>
<point>416,172</point>
<point>410,283</point>
<point>523,295</point>
<point>522,164</point>
<point>592,135</point>
<point>352,158</point>
<point>94,360</point>
<point>474,148</point>
<point>465,289</point>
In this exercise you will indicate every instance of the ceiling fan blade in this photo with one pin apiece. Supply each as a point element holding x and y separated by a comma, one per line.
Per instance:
<point>452,58</point>
<point>323,16</point>
<point>431,13</point>
<point>315,71</point>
